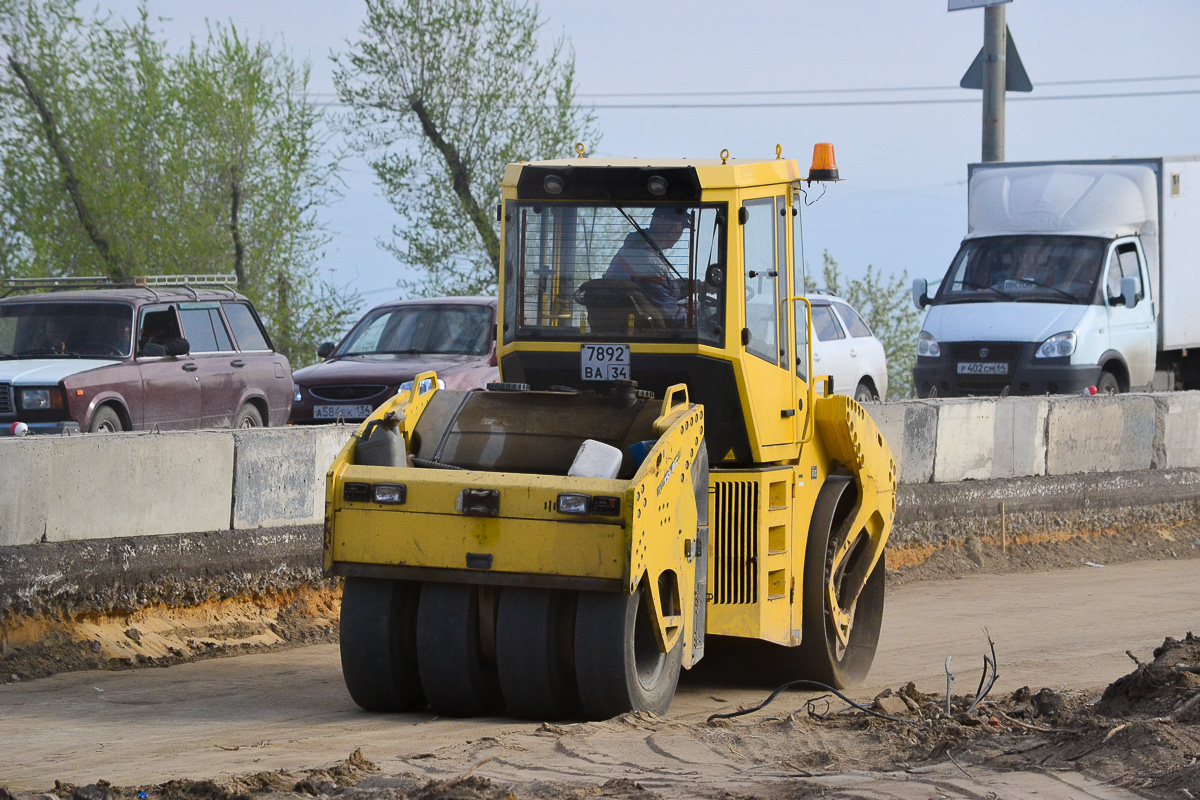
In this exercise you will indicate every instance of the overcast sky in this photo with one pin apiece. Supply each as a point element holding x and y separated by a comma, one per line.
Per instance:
<point>795,73</point>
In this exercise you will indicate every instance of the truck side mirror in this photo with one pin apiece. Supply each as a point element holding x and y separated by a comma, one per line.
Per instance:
<point>325,349</point>
<point>1129,291</point>
<point>920,293</point>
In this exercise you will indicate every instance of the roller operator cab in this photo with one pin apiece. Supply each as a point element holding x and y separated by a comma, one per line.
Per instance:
<point>654,480</point>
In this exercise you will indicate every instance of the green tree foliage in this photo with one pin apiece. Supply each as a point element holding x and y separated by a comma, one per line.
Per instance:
<point>885,307</point>
<point>443,94</point>
<point>120,158</point>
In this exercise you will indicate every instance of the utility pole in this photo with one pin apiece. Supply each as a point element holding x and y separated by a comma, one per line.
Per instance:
<point>995,49</point>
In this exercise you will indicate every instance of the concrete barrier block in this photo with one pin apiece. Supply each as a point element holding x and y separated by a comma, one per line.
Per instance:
<point>910,428</point>
<point>1177,430</point>
<point>1019,433</point>
<point>965,440</point>
<point>103,486</point>
<point>1100,434</point>
<point>280,474</point>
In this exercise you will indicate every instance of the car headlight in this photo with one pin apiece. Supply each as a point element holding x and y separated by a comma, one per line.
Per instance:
<point>1059,345</point>
<point>296,397</point>
<point>927,346</point>
<point>39,399</point>
<point>426,385</point>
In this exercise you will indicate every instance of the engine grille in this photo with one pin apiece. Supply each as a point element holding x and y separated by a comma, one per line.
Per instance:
<point>735,542</point>
<point>342,394</point>
<point>996,351</point>
<point>6,398</point>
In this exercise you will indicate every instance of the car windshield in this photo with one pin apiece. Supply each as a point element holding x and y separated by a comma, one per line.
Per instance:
<point>1044,269</point>
<point>84,330</point>
<point>416,329</point>
<point>602,270</point>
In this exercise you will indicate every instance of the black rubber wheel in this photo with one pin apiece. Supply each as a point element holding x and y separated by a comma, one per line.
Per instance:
<point>248,417</point>
<point>458,677</point>
<point>864,394</point>
<point>379,644</point>
<point>105,420</point>
<point>822,655</point>
<point>535,636</point>
<point>617,662</point>
<point>1108,384</point>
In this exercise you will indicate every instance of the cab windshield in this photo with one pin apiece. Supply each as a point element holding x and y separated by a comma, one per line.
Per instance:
<point>601,271</point>
<point>1042,269</point>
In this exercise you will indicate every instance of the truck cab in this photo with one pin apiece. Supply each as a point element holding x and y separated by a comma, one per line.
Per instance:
<point>1053,289</point>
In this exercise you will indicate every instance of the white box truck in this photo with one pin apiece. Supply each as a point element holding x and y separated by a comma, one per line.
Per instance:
<point>1072,274</point>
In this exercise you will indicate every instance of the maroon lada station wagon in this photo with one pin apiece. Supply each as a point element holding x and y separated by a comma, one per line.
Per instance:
<point>156,356</point>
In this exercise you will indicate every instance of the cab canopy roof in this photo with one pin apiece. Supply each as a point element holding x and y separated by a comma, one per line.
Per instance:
<point>628,179</point>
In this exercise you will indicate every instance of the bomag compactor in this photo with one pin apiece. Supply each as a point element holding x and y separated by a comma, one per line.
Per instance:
<point>656,475</point>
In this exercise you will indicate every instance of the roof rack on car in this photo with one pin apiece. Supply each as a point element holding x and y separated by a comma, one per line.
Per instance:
<point>99,282</point>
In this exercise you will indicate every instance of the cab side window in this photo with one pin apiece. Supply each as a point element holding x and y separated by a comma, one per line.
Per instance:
<point>758,236</point>
<point>1123,263</point>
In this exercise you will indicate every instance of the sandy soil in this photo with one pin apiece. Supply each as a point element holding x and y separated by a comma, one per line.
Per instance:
<point>1071,715</point>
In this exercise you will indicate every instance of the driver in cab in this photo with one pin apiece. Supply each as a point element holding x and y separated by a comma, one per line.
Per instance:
<point>642,259</point>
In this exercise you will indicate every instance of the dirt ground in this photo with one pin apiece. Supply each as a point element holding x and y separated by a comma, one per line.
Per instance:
<point>1140,738</point>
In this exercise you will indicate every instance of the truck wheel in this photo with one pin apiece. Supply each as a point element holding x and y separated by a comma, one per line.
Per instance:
<point>535,634</point>
<point>458,678</point>
<point>1108,384</point>
<point>821,655</point>
<point>378,644</point>
<point>617,662</point>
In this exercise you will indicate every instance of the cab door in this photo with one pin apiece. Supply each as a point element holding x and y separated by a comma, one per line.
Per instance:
<point>1131,331</point>
<point>768,361</point>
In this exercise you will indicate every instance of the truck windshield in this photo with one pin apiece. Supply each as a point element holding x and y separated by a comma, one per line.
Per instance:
<point>1043,269</point>
<point>56,329</point>
<point>608,270</point>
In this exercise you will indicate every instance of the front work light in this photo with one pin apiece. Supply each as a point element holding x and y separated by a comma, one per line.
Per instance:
<point>553,184</point>
<point>390,493</point>
<point>574,504</point>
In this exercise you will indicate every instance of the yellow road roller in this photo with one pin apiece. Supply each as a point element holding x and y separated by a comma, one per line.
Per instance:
<point>655,475</point>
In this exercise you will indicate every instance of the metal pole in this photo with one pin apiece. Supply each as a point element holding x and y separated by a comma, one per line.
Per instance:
<point>995,50</point>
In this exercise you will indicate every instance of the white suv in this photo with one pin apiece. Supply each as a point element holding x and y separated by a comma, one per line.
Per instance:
<point>844,347</point>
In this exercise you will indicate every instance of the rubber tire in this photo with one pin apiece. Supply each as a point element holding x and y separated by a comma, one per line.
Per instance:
<point>612,634</point>
<point>378,642</point>
<point>1107,384</point>
<point>535,658</point>
<point>863,393</point>
<point>248,416</point>
<point>106,420</point>
<point>457,680</point>
<point>817,654</point>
